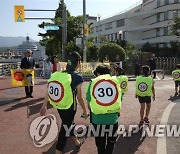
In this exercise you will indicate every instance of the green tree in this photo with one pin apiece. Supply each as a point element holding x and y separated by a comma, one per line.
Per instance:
<point>176,26</point>
<point>112,50</point>
<point>92,50</point>
<point>52,40</point>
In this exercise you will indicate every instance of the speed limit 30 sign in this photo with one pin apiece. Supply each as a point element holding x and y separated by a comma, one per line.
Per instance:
<point>55,91</point>
<point>142,87</point>
<point>105,92</point>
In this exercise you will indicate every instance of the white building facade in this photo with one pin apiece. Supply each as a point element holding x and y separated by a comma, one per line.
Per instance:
<point>149,21</point>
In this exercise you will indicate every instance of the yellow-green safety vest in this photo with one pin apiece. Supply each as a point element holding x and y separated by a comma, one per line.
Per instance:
<point>105,95</point>
<point>60,91</point>
<point>123,80</point>
<point>144,86</point>
<point>176,75</point>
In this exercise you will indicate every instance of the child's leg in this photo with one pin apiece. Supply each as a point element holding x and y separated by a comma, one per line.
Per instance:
<point>148,107</point>
<point>142,108</point>
<point>176,87</point>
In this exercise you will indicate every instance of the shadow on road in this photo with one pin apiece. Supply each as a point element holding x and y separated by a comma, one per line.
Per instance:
<point>129,145</point>
<point>69,147</point>
<point>33,109</point>
<point>174,98</point>
<point>10,100</point>
<point>24,104</point>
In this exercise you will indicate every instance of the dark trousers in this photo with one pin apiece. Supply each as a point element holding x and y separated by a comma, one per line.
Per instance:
<point>106,143</point>
<point>28,90</point>
<point>67,117</point>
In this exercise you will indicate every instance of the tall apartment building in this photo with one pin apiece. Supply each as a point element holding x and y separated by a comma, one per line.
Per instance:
<point>148,21</point>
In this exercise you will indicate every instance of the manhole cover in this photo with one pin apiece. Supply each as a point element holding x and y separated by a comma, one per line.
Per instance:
<point>14,92</point>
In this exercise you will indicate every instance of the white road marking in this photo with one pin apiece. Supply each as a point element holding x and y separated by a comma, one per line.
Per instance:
<point>161,141</point>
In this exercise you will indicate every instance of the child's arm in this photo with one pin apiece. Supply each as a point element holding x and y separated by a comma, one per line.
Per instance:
<point>44,106</point>
<point>153,91</point>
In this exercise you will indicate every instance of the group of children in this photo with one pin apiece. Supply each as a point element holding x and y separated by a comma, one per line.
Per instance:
<point>104,94</point>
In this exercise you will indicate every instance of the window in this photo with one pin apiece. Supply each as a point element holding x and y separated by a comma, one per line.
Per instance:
<point>96,39</point>
<point>175,13</point>
<point>166,2</point>
<point>158,17</point>
<point>115,36</point>
<point>112,37</point>
<point>157,32</point>
<point>124,35</point>
<point>165,31</point>
<point>108,26</point>
<point>166,15</point>
<point>100,28</point>
<point>91,30</point>
<point>158,3</point>
<point>165,45</point>
<point>176,1</point>
<point>120,23</point>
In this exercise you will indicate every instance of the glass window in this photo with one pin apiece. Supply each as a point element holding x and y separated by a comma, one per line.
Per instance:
<point>166,2</point>
<point>115,36</point>
<point>120,23</point>
<point>165,31</point>
<point>166,15</point>
<point>176,1</point>
<point>112,37</point>
<point>157,32</point>
<point>124,35</point>
<point>108,26</point>
<point>158,3</point>
<point>91,30</point>
<point>175,13</point>
<point>158,17</point>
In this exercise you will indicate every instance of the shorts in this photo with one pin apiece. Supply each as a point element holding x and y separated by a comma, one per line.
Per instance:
<point>145,99</point>
<point>177,83</point>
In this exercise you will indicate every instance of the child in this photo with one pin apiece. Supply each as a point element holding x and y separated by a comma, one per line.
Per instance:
<point>104,100</point>
<point>176,78</point>
<point>121,77</point>
<point>144,91</point>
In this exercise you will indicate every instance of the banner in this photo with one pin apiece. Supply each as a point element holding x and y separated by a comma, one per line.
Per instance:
<point>23,77</point>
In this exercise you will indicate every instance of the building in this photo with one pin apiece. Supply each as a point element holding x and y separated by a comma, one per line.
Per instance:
<point>36,48</point>
<point>147,21</point>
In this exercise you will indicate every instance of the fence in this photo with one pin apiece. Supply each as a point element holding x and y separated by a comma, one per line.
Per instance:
<point>166,63</point>
<point>5,68</point>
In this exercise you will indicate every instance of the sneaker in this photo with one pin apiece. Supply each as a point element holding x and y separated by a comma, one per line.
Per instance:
<point>176,93</point>
<point>77,147</point>
<point>146,120</point>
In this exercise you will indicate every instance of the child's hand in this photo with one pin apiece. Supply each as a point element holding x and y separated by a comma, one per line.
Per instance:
<point>136,96</point>
<point>43,110</point>
<point>154,98</point>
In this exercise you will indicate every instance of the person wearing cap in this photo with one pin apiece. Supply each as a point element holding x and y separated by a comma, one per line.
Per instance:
<point>63,89</point>
<point>104,100</point>
<point>28,63</point>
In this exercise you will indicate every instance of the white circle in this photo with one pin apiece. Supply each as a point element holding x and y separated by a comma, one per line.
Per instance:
<point>142,87</point>
<point>176,75</point>
<point>55,91</point>
<point>123,84</point>
<point>105,92</point>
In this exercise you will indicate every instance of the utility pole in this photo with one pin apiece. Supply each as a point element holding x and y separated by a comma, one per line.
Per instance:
<point>63,30</point>
<point>84,36</point>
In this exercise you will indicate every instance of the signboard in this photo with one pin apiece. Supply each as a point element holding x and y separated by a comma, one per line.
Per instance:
<point>54,27</point>
<point>22,77</point>
<point>19,14</point>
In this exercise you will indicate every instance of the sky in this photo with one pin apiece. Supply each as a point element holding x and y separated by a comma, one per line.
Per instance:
<point>8,27</point>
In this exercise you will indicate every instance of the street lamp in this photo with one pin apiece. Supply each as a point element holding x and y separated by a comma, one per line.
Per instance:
<point>98,18</point>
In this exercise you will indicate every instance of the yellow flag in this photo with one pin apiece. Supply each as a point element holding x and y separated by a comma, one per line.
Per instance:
<point>19,14</point>
<point>22,77</point>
